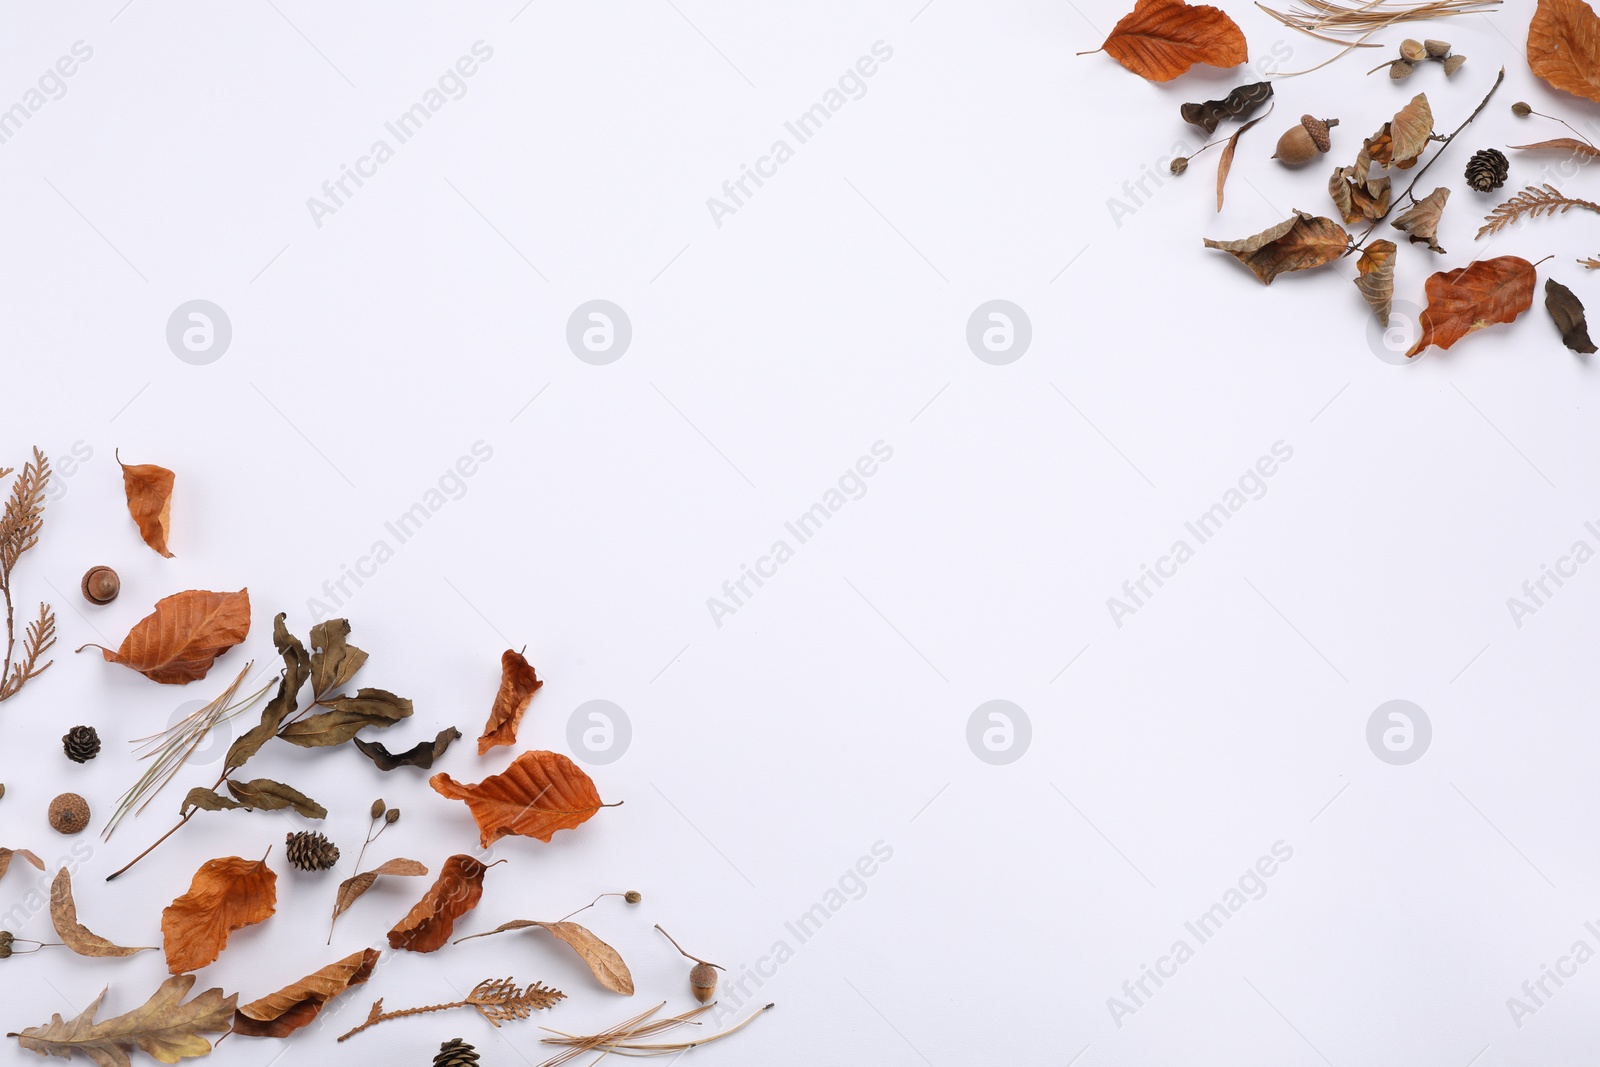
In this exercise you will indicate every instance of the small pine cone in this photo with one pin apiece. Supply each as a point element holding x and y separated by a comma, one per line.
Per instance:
<point>1487,170</point>
<point>456,1053</point>
<point>310,851</point>
<point>81,744</point>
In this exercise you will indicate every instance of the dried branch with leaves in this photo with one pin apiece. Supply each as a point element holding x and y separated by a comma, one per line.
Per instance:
<point>1532,202</point>
<point>20,524</point>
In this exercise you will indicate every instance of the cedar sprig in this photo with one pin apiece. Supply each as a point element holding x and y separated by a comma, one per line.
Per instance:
<point>1532,202</point>
<point>624,1038</point>
<point>496,999</point>
<point>20,524</point>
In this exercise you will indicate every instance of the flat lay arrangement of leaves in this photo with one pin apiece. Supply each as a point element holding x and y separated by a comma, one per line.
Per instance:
<point>314,705</point>
<point>1161,40</point>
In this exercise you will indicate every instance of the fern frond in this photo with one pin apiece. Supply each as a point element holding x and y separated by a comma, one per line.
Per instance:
<point>1532,202</point>
<point>41,636</point>
<point>499,998</point>
<point>24,513</point>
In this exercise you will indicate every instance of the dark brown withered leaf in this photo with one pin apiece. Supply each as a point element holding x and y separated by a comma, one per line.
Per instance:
<point>345,717</point>
<point>1238,104</point>
<point>267,795</point>
<point>334,661</point>
<point>422,754</point>
<point>1567,311</point>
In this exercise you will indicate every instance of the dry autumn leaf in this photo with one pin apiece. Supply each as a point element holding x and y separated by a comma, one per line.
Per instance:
<point>149,490</point>
<point>1299,242</point>
<point>540,793</point>
<point>422,754</point>
<point>1160,39</point>
<point>1567,312</point>
<point>1225,164</point>
<point>518,683</point>
<point>77,937</point>
<point>178,641</point>
<point>226,894</point>
<point>7,854</point>
<point>1403,138</point>
<point>1376,280</point>
<point>351,889</point>
<point>1564,46</point>
<point>282,1013</point>
<point>164,1027</point>
<point>428,925</point>
<point>1421,222</point>
<point>1561,144</point>
<point>606,963</point>
<point>1469,298</point>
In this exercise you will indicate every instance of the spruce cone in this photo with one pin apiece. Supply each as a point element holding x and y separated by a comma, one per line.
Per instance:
<point>1486,170</point>
<point>456,1053</point>
<point>81,744</point>
<point>310,851</point>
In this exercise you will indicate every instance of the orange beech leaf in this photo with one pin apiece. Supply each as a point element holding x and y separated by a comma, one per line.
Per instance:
<point>149,490</point>
<point>1564,46</point>
<point>1160,39</point>
<point>1469,298</point>
<point>518,683</point>
<point>226,894</point>
<point>178,641</point>
<point>540,793</point>
<point>428,925</point>
<point>282,1013</point>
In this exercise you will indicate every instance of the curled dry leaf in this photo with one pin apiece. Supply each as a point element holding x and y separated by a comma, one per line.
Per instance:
<point>225,895</point>
<point>1404,137</point>
<point>540,793</point>
<point>1160,39</point>
<point>1225,164</point>
<point>603,960</point>
<point>1299,242</point>
<point>7,854</point>
<point>282,1013</point>
<point>1240,103</point>
<point>422,754</point>
<point>334,660</point>
<point>345,717</point>
<point>178,641</point>
<point>264,794</point>
<point>1567,312</point>
<point>1561,144</point>
<point>1469,298</point>
<point>518,683</point>
<point>1356,193</point>
<point>164,1027</point>
<point>351,889</point>
<point>1376,280</point>
<point>428,925</point>
<point>1564,47</point>
<point>73,934</point>
<point>149,490</point>
<point>1421,222</point>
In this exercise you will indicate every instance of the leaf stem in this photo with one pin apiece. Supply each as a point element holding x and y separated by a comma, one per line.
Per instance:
<point>1444,142</point>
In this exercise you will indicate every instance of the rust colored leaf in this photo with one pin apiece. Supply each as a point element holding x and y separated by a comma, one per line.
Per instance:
<point>1561,144</point>
<point>7,854</point>
<point>1564,47</point>
<point>164,1027</point>
<point>1469,298</point>
<point>540,793</point>
<point>149,490</point>
<point>178,641</point>
<point>1160,39</point>
<point>351,889</point>
<point>282,1013</point>
<point>1421,222</point>
<point>1376,280</point>
<point>1299,242</point>
<point>518,683</point>
<point>1225,164</point>
<point>428,925</point>
<point>1567,312</point>
<point>73,934</point>
<point>604,961</point>
<point>226,894</point>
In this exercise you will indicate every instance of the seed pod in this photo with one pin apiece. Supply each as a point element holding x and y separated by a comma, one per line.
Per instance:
<point>1414,50</point>
<point>1521,110</point>
<point>1453,64</point>
<point>391,816</point>
<point>1401,69</point>
<point>377,808</point>
<point>1436,49</point>
<point>1179,164</point>
<point>101,585</point>
<point>69,813</point>
<point>633,896</point>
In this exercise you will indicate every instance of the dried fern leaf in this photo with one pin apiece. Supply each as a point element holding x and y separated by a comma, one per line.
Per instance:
<point>1532,202</point>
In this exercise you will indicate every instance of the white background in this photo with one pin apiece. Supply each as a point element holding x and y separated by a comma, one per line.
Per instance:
<point>830,711</point>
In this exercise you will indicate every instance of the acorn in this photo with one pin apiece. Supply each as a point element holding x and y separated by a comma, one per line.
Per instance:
<point>1415,50</point>
<point>1304,142</point>
<point>101,585</point>
<point>702,976</point>
<point>69,813</point>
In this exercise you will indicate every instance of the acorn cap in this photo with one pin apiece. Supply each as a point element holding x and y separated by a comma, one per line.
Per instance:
<point>1436,49</point>
<point>69,813</point>
<point>1318,129</point>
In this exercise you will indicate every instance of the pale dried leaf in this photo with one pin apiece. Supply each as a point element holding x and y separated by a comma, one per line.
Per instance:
<point>73,934</point>
<point>1376,278</point>
<point>164,1027</point>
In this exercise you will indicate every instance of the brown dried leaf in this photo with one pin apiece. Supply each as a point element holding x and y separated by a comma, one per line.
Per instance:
<point>164,1027</point>
<point>1376,280</point>
<point>1421,222</point>
<point>225,895</point>
<point>1469,298</point>
<point>1409,133</point>
<point>178,641</point>
<point>422,754</point>
<point>282,1013</point>
<point>77,937</point>
<point>540,793</point>
<point>1561,144</point>
<point>604,961</point>
<point>263,794</point>
<point>518,683</point>
<point>6,855</point>
<point>149,490</point>
<point>1564,46</point>
<point>1357,194</point>
<point>1567,311</point>
<point>334,660</point>
<point>1160,39</point>
<point>1225,164</point>
<point>351,889</point>
<point>346,717</point>
<point>1300,242</point>
<point>457,890</point>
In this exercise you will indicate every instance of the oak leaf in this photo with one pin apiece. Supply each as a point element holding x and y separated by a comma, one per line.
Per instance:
<point>164,1027</point>
<point>351,889</point>
<point>1564,46</point>
<point>1160,39</point>
<point>225,895</point>
<point>1469,298</point>
<point>73,934</point>
<point>7,854</point>
<point>604,961</point>
<point>518,683</point>
<point>1567,312</point>
<point>178,641</point>
<point>1376,278</point>
<point>422,754</point>
<point>1299,242</point>
<point>282,1013</point>
<point>429,923</point>
<point>149,490</point>
<point>1422,221</point>
<point>540,793</point>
